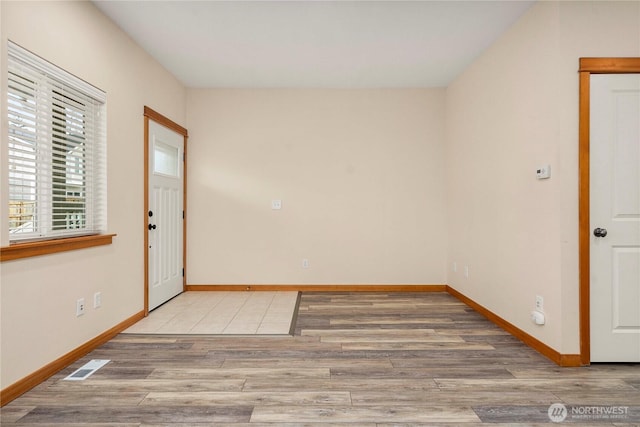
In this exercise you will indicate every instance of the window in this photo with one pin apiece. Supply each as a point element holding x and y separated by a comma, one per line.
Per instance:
<point>165,159</point>
<point>56,151</point>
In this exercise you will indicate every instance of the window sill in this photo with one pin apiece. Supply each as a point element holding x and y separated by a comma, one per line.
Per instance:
<point>32,249</point>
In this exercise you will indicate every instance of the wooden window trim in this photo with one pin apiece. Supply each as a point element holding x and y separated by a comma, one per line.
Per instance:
<point>46,247</point>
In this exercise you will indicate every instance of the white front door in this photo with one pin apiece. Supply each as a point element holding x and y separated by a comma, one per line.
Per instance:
<point>615,217</point>
<point>166,204</point>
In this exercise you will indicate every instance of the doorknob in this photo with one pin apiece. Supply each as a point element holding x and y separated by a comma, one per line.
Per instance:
<point>600,232</point>
<point>152,226</point>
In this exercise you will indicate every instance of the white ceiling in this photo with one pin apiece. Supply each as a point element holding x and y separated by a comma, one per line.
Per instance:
<point>338,44</point>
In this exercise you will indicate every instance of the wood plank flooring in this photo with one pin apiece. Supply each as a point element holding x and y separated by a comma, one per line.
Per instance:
<point>365,359</point>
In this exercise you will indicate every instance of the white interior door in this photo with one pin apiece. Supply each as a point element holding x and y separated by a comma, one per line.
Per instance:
<point>615,217</point>
<point>166,204</point>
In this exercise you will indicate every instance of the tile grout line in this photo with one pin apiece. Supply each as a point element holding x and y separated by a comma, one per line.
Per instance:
<point>189,304</point>
<point>273,298</point>
<point>209,312</point>
<point>238,313</point>
<point>227,298</point>
<point>229,294</point>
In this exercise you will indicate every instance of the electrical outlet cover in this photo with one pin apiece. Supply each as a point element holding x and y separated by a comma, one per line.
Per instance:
<point>80,307</point>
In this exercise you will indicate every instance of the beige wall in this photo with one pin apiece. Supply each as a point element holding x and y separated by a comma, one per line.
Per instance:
<point>38,295</point>
<point>514,109</point>
<point>360,174</point>
<point>367,182</point>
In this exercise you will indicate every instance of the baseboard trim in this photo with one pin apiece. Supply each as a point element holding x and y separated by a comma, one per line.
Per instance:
<point>565,360</point>
<point>322,288</point>
<point>27,383</point>
<point>570,361</point>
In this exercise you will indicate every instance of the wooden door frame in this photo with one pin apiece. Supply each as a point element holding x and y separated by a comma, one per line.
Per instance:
<point>150,114</point>
<point>590,66</point>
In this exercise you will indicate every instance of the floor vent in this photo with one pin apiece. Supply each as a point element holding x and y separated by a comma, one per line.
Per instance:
<point>87,370</point>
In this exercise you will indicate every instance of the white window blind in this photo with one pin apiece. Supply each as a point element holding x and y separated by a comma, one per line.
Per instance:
<point>56,152</point>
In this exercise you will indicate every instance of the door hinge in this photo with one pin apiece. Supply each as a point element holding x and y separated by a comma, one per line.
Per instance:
<point>183,272</point>
<point>182,214</point>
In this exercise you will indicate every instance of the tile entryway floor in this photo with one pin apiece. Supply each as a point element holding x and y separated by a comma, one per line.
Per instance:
<point>222,313</point>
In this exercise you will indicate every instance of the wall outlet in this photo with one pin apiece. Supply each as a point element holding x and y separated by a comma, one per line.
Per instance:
<point>80,307</point>
<point>466,271</point>
<point>305,263</point>
<point>539,303</point>
<point>276,204</point>
<point>97,300</point>
<point>455,267</point>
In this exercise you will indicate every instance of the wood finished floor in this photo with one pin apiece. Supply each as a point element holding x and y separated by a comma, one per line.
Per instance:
<point>366,359</point>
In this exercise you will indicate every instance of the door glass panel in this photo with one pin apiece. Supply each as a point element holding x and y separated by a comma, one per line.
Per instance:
<point>165,159</point>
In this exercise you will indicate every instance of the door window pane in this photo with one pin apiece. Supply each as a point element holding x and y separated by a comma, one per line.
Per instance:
<point>165,159</point>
